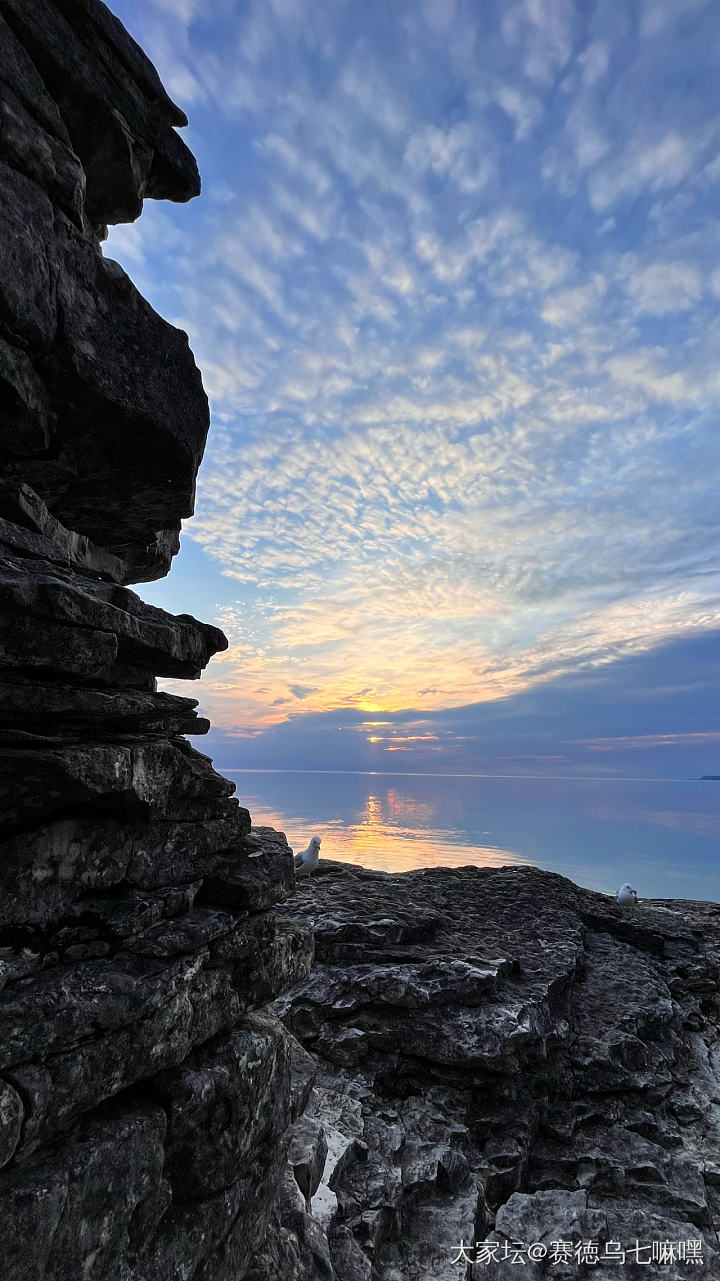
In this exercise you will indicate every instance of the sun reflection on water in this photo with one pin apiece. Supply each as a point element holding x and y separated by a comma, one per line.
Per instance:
<point>393,833</point>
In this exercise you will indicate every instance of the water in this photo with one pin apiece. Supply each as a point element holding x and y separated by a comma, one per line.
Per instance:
<point>663,836</point>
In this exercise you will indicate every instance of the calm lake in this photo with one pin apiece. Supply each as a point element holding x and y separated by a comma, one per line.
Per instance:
<point>663,836</point>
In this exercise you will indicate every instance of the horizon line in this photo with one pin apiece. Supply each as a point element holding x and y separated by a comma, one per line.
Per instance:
<point>560,778</point>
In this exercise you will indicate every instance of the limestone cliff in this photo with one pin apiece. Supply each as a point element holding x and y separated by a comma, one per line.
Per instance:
<point>146,1095</point>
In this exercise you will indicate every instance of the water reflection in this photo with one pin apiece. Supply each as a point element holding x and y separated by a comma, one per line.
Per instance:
<point>663,835</point>
<point>383,837</point>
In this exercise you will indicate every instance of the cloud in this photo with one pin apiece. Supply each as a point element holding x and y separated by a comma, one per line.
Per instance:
<point>184,10</point>
<point>658,15</point>
<point>447,291</point>
<point>573,305</point>
<point>439,14</point>
<point>459,154</point>
<point>609,720</point>
<point>646,164</point>
<point>541,30</point>
<point>524,109</point>
<point>643,369</point>
<point>594,61</point>
<point>641,742</point>
<point>664,287</point>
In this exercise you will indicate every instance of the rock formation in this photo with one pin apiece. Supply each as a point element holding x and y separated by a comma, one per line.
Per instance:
<point>504,1058</point>
<point>146,1093</point>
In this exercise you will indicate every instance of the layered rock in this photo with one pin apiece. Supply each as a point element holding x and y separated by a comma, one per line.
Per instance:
<point>103,412</point>
<point>505,1058</point>
<point>146,1093</point>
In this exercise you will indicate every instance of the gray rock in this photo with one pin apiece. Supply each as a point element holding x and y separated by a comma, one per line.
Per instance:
<point>187,1234</point>
<point>146,636</point>
<point>47,869</point>
<point>78,1211</point>
<point>11,1119</point>
<point>228,1100</point>
<point>295,1247</point>
<point>523,1065</point>
<point>28,316</point>
<point>259,874</point>
<point>24,428</point>
<point>111,410</point>
<point>77,1034</point>
<point>116,112</point>
<point>57,650</point>
<point>160,779</point>
<point>135,374</point>
<point>307,1155</point>
<point>19,503</point>
<point>77,713</point>
<point>40,155</point>
<point>137,940</point>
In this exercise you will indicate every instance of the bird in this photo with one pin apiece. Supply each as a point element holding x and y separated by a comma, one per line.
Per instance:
<point>307,861</point>
<point>626,896</point>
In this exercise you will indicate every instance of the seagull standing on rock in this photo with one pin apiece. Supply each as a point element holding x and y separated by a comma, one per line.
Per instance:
<point>627,897</point>
<point>306,862</point>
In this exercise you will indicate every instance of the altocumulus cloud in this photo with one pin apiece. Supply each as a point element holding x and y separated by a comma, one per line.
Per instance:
<point>453,288</point>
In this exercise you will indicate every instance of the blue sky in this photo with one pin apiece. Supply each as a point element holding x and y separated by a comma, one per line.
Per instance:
<point>453,284</point>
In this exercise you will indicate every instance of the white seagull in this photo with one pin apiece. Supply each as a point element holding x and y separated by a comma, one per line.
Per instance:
<point>306,862</point>
<point>626,896</point>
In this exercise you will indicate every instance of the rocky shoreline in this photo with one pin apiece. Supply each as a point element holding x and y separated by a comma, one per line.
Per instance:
<point>503,1057</point>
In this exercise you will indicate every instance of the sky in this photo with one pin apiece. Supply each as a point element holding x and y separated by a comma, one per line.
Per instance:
<point>453,286</point>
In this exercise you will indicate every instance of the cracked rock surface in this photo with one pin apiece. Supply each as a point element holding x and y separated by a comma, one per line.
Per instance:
<point>503,1057</point>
